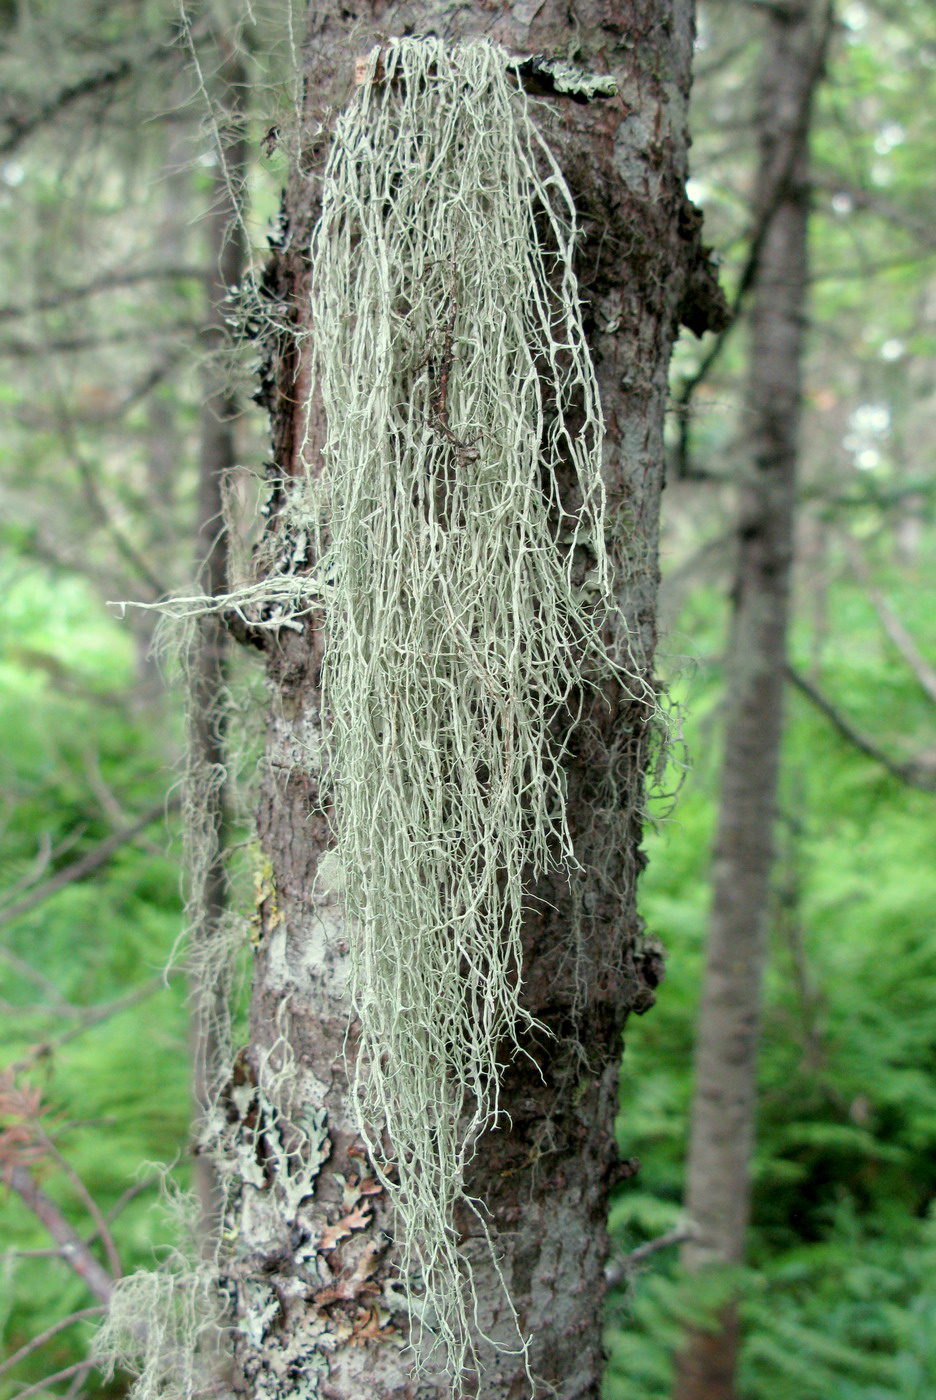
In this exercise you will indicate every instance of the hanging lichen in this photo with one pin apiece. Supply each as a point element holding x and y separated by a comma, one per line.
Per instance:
<point>458,393</point>
<point>454,518</point>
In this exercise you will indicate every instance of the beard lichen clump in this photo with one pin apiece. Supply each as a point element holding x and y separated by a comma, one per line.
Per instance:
<point>457,517</point>
<point>462,538</point>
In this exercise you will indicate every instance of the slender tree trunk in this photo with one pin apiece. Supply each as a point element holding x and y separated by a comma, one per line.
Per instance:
<point>217,455</point>
<point>164,448</point>
<point>722,1129</point>
<point>326,1319</point>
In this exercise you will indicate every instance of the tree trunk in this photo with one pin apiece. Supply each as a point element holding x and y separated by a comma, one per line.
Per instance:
<point>722,1127</point>
<point>208,755</point>
<point>326,1318</point>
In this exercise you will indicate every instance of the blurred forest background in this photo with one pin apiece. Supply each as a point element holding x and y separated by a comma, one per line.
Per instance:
<point>115,208</point>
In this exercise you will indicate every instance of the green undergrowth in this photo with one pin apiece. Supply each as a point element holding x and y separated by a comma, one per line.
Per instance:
<point>114,1093</point>
<point>840,1295</point>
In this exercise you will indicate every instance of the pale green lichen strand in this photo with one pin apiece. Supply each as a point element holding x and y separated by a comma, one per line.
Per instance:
<point>458,392</point>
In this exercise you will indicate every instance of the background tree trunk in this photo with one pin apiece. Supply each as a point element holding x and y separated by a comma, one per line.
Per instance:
<point>217,455</point>
<point>333,1315</point>
<point>722,1128</point>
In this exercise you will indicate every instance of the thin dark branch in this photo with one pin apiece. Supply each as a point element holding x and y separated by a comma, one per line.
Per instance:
<point>47,854</point>
<point>703,71</point>
<point>90,1204</point>
<point>74,1251</point>
<point>677,1236</point>
<point>100,509</point>
<point>89,1016</point>
<point>35,1343</point>
<point>111,281</point>
<point>922,229</point>
<point>871,269</point>
<point>33,975</point>
<point>92,860</point>
<point>780,9</point>
<point>621,1268</point>
<point>52,1252</point>
<point>869,494</point>
<point>79,1366</point>
<point>913,774</point>
<point>76,1386</point>
<point>44,856</point>
<point>19,128</point>
<point>104,81</point>
<point>146,385</point>
<point>74,344</point>
<point>923,672</point>
<point>126,1197</point>
<point>56,1253</point>
<point>718,544</point>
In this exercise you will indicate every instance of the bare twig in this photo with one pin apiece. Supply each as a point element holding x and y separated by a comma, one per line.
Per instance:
<point>621,1268</point>
<point>80,868</point>
<point>74,1251</point>
<point>109,282</point>
<point>126,1197</point>
<point>138,1187</point>
<point>47,852</point>
<point>91,1016</point>
<point>716,546</point>
<point>90,1204</point>
<point>729,56</point>
<point>33,975</point>
<point>79,1366</point>
<point>870,269</point>
<point>19,128</point>
<point>36,871</point>
<point>67,344</point>
<point>110,803</point>
<point>145,386</point>
<point>51,1252</point>
<point>921,229</point>
<point>75,1388</point>
<point>921,668</point>
<point>35,1343</point>
<point>676,1236</point>
<point>913,774</point>
<point>101,511</point>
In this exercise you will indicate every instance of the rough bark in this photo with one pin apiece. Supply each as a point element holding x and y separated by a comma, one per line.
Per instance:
<point>722,1128</point>
<point>324,1318</point>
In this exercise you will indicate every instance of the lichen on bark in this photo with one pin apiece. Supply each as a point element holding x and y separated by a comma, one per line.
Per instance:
<point>320,1296</point>
<point>466,609</point>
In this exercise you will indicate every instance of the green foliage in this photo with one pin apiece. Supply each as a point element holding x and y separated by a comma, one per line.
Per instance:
<point>840,1296</point>
<point>117,1088</point>
<point>840,1302</point>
